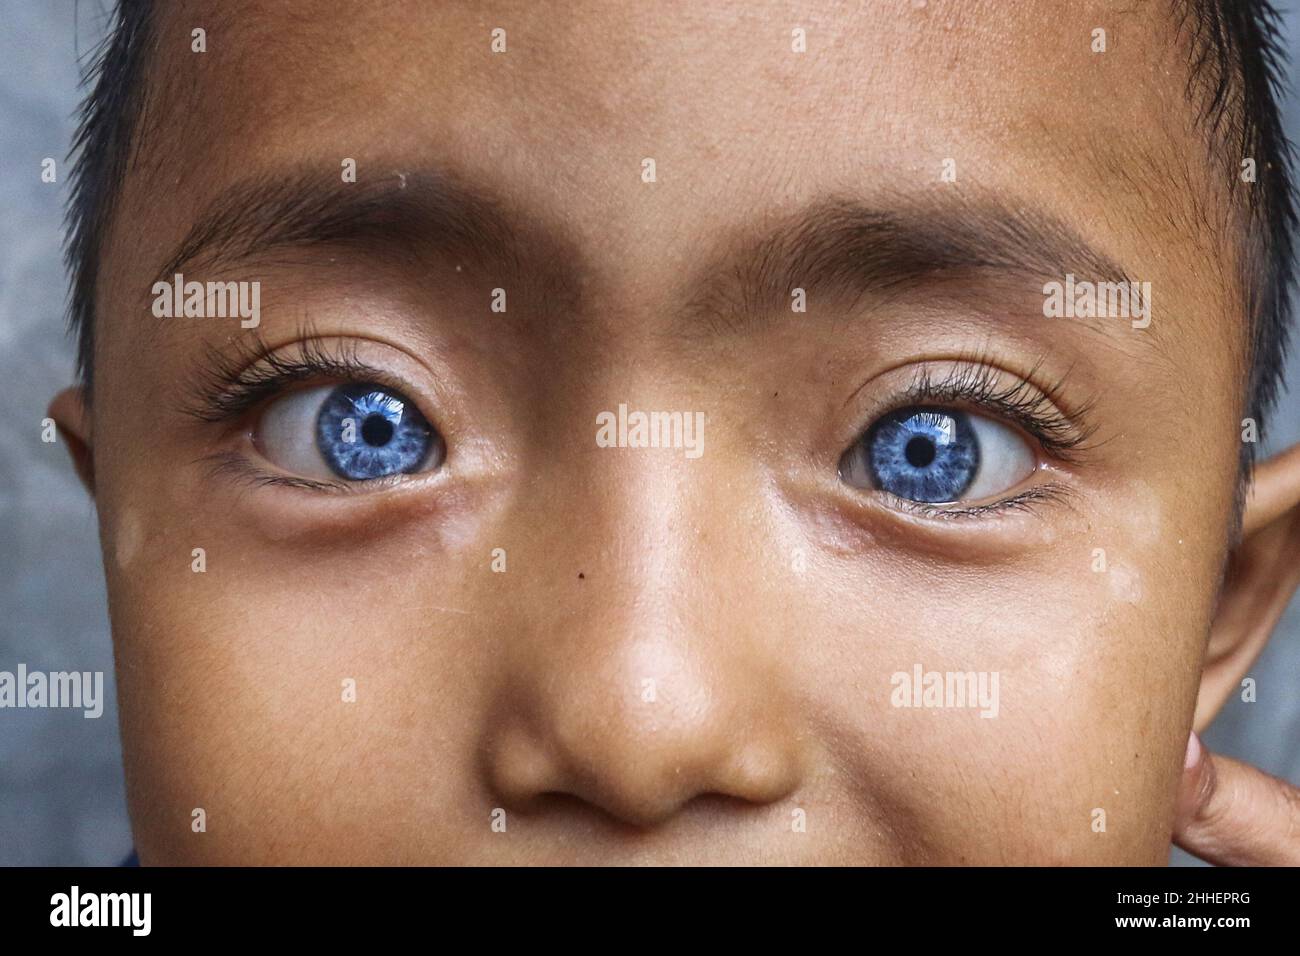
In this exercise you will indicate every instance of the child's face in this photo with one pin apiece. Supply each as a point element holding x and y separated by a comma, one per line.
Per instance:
<point>681,654</point>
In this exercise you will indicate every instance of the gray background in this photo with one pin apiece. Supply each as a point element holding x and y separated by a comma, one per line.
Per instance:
<point>61,789</point>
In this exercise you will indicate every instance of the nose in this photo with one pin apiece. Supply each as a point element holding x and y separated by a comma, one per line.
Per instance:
<point>656,677</point>
<point>639,727</point>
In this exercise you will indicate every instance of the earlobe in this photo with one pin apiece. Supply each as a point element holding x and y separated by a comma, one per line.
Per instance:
<point>72,418</point>
<point>1263,574</point>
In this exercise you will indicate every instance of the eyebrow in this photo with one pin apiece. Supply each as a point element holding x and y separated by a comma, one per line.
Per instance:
<point>847,247</point>
<point>838,246</point>
<point>421,210</point>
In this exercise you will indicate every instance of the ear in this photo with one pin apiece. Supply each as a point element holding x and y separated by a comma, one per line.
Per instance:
<point>1263,573</point>
<point>72,418</point>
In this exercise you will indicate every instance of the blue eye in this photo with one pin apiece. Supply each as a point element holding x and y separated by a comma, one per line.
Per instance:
<point>357,432</point>
<point>923,454</point>
<point>366,432</point>
<point>937,455</point>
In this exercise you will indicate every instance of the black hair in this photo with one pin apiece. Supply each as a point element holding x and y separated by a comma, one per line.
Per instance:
<point>102,150</point>
<point>1234,82</point>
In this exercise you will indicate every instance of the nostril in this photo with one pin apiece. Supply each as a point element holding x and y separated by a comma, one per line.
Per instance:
<point>637,789</point>
<point>641,819</point>
<point>519,769</point>
<point>586,735</point>
<point>629,819</point>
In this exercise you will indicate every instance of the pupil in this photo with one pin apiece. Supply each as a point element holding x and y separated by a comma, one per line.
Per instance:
<point>919,452</point>
<point>377,430</point>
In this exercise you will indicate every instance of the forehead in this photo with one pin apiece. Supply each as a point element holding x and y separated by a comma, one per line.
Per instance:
<point>715,81</point>
<point>881,88</point>
<point>1012,99</point>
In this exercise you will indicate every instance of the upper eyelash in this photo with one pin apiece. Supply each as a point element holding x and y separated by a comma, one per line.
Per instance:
<point>232,384</point>
<point>1063,436</point>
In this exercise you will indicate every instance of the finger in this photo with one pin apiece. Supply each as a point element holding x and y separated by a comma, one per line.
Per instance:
<point>1231,814</point>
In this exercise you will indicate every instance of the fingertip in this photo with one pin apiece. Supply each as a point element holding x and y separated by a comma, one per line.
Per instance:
<point>1194,751</point>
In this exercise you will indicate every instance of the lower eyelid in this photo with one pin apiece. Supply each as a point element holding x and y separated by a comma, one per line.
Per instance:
<point>1026,500</point>
<point>239,468</point>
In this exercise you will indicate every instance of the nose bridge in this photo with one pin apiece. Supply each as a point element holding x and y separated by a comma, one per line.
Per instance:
<point>641,687</point>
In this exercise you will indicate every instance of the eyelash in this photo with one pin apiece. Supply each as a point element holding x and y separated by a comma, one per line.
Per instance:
<point>234,385</point>
<point>1064,437</point>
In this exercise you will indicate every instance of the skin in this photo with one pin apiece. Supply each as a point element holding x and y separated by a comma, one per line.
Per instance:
<point>769,602</point>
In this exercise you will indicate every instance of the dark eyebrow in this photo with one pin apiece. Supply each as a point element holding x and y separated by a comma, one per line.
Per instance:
<point>846,247</point>
<point>424,209</point>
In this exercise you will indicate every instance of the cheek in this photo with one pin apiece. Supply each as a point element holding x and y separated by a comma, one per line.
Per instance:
<point>254,687</point>
<point>124,539</point>
<point>372,661</point>
<point>1144,512</point>
<point>1125,585</point>
<point>1078,675</point>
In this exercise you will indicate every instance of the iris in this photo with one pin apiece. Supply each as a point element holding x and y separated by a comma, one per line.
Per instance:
<point>366,431</point>
<point>923,454</point>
